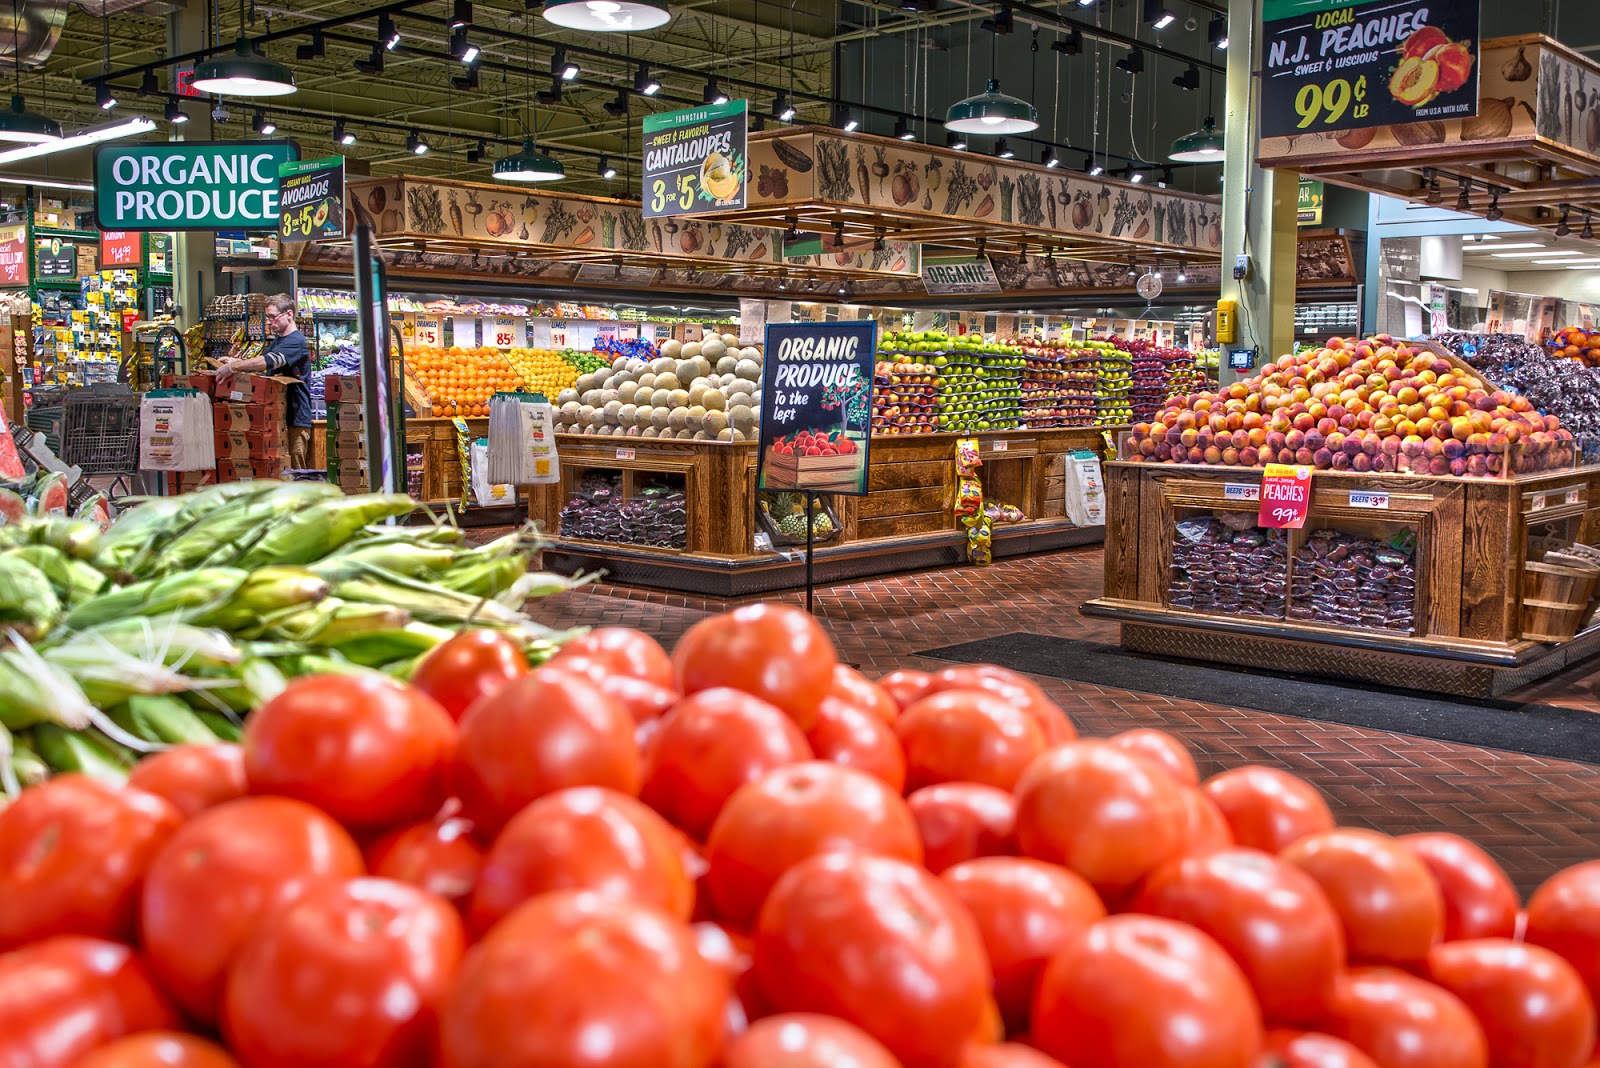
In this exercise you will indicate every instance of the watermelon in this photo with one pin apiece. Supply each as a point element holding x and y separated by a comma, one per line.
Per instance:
<point>49,494</point>
<point>97,509</point>
<point>12,506</point>
<point>10,462</point>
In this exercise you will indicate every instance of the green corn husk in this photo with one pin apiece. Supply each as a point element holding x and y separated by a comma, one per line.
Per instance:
<point>486,577</point>
<point>532,585</point>
<point>26,764</point>
<point>333,621</point>
<point>184,594</point>
<point>224,536</point>
<point>224,728</point>
<point>312,533</point>
<point>84,752</point>
<point>74,581</point>
<point>170,721</point>
<point>431,604</point>
<point>78,538</point>
<point>35,691</point>
<point>264,593</point>
<point>169,641</point>
<point>110,675</point>
<point>411,558</point>
<point>10,785</point>
<point>28,603</point>
<point>134,531</point>
<point>381,649</point>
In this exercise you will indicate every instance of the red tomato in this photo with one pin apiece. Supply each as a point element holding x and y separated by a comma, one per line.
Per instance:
<point>1162,748</point>
<point>571,980</point>
<point>724,948</point>
<point>642,700</point>
<point>473,664</point>
<point>63,996</point>
<point>774,652</point>
<point>968,736</point>
<point>369,752</point>
<point>854,688</point>
<point>193,778</point>
<point>710,744</point>
<point>1312,1049</point>
<point>879,943</point>
<point>769,826</point>
<point>584,838</point>
<point>1401,1021</point>
<point>1388,903</point>
<point>1270,917</point>
<point>906,687</point>
<point>805,1040</point>
<point>959,821</point>
<point>543,732</point>
<point>350,975</point>
<point>73,856</point>
<point>1479,901</point>
<point>1561,916</point>
<point>1139,990</point>
<point>1267,808</point>
<point>846,734</point>
<point>1007,1055</point>
<point>1100,811</point>
<point>1204,827</point>
<point>1531,1004</point>
<point>439,856</point>
<point>1018,689</point>
<point>1025,911</point>
<point>158,1049</point>
<point>219,876</point>
<point>624,652</point>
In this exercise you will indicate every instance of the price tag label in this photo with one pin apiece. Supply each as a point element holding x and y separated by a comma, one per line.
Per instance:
<point>1360,499</point>
<point>464,332</point>
<point>558,333</point>
<point>1574,495</point>
<point>1285,497</point>
<point>430,332</point>
<point>1538,504</point>
<point>1002,446</point>
<point>1241,491</point>
<point>625,454</point>
<point>507,332</point>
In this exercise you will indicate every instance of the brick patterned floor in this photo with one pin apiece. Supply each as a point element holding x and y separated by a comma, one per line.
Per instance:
<point>1534,814</point>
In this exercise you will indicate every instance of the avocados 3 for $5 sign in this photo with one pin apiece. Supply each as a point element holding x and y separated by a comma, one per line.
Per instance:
<point>189,185</point>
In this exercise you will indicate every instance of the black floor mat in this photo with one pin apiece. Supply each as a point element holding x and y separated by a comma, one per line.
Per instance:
<point>1538,730</point>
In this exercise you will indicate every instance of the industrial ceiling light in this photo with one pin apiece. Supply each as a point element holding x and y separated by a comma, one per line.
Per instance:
<point>782,109</point>
<point>1135,176</point>
<point>1070,45</point>
<point>605,169</point>
<point>1050,159</point>
<point>342,136</point>
<point>373,64</point>
<point>245,73</point>
<point>1133,62</point>
<point>608,16</point>
<point>1158,16</point>
<point>528,164</point>
<point>173,113</point>
<point>956,142</point>
<point>618,105</point>
<point>1001,22</point>
<point>846,119</point>
<point>461,48</point>
<point>1217,31</point>
<point>316,48</point>
<point>1086,3</point>
<point>147,84</point>
<point>564,68</point>
<point>1093,168</point>
<point>1003,150</point>
<point>714,94</point>
<point>466,81</point>
<point>1564,227</point>
<point>388,32</point>
<point>263,125</point>
<point>1205,145</point>
<point>94,135</point>
<point>991,111</point>
<point>551,95</point>
<point>460,14</point>
<point>644,84</point>
<point>19,125</point>
<point>415,144</point>
<point>1189,79</point>
<point>476,153</point>
<point>1166,177</point>
<point>103,97</point>
<point>903,130</point>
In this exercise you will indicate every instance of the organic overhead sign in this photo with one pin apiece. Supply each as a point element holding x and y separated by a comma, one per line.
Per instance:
<point>190,185</point>
<point>948,275</point>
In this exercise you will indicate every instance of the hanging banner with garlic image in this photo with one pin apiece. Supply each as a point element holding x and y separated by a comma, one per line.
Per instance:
<point>695,160</point>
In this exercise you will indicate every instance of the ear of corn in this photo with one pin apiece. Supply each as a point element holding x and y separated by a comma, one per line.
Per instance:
<point>220,725</point>
<point>183,594</point>
<point>311,533</point>
<point>414,559</point>
<point>26,764</point>
<point>28,603</point>
<point>78,538</point>
<point>74,581</point>
<point>382,648</point>
<point>166,719</point>
<point>82,751</point>
<point>223,536</point>
<point>260,595</point>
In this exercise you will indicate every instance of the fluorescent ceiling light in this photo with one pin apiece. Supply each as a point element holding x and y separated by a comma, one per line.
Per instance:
<point>1565,260</point>
<point>1517,244</point>
<point>1534,255</point>
<point>47,183</point>
<point>1588,265</point>
<point>94,135</point>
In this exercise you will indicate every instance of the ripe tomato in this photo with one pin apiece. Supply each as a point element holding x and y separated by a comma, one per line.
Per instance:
<point>849,735</point>
<point>219,875</point>
<point>1025,911</point>
<point>543,732</point>
<point>805,1040</point>
<point>369,752</point>
<point>349,975</point>
<point>470,665</point>
<point>1007,1055</point>
<point>1479,901</point>
<point>1018,689</point>
<point>583,838</point>
<point>1401,1021</point>
<point>770,825</point>
<point>642,700</point>
<point>1267,808</point>
<point>1312,1049</point>
<point>960,821</point>
<point>1388,903</point>
<point>158,1049</point>
<point>73,856</point>
<point>439,856</point>
<point>710,744</point>
<point>1139,990</point>
<point>571,980</point>
<point>1204,827</point>
<point>877,942</point>
<point>1561,917</point>
<point>777,653</point>
<point>63,996</point>
<point>1269,916</point>
<point>1531,1004</point>
<point>623,651</point>
<point>968,736</point>
<point>1100,811</point>
<point>906,687</point>
<point>1163,749</point>
<point>193,778</point>
<point>853,688</point>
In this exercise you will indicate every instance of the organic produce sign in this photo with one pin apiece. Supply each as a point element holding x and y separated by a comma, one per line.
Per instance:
<point>1285,497</point>
<point>189,185</point>
<point>311,199</point>
<point>694,160</point>
<point>816,406</point>
<point>1332,66</point>
<point>946,275</point>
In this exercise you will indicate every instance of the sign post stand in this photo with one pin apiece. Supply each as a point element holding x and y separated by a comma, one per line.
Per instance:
<point>811,549</point>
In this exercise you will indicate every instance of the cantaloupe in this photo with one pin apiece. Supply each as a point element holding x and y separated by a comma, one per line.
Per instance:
<point>713,399</point>
<point>671,350</point>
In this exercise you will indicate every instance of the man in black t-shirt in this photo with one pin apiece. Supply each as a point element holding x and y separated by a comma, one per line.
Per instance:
<point>286,354</point>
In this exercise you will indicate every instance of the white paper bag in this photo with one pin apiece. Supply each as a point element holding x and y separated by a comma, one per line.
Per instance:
<point>175,432</point>
<point>1086,494</point>
<point>483,491</point>
<point>522,441</point>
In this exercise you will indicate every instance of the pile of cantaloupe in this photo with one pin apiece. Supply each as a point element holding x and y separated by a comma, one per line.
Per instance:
<point>698,390</point>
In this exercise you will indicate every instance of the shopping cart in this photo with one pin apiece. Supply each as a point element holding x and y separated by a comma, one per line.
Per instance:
<point>100,434</point>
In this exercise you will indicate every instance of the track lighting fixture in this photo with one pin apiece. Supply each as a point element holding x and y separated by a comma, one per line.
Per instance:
<point>148,84</point>
<point>713,94</point>
<point>464,82</point>
<point>956,142</point>
<point>1050,159</point>
<point>1166,177</point>
<point>846,119</point>
<point>1494,214</point>
<point>342,136</point>
<point>1157,15</point>
<point>1464,200</point>
<point>461,14</point>
<point>1189,79</point>
<point>617,106</point>
<point>1183,276</point>
<point>1070,45</point>
<point>782,109</point>
<point>605,169</point>
<point>373,64</point>
<point>903,130</point>
<point>644,84</point>
<point>173,113</point>
<point>564,68</point>
<point>263,125</point>
<point>1003,150</point>
<point>551,95</point>
<point>1001,22</point>
<point>388,32</point>
<point>1563,228</point>
<point>103,96</point>
<point>1217,31</point>
<point>476,153</point>
<point>1092,168</point>
<point>758,122</point>
<point>916,7</point>
<point>1432,176</point>
<point>316,48</point>
<point>414,142</point>
<point>461,48</point>
<point>1086,3</point>
<point>1133,62</point>
<point>1135,176</point>
<point>1133,271</point>
<point>1588,228</point>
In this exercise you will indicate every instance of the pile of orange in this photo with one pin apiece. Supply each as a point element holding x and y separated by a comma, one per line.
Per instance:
<point>461,381</point>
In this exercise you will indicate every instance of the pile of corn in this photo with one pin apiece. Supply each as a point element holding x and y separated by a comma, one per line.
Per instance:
<point>190,611</point>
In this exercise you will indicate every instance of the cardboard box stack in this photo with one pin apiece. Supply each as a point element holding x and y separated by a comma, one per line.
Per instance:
<point>346,440</point>
<point>252,428</point>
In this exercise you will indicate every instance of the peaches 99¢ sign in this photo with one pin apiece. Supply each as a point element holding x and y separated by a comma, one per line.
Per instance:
<point>1285,497</point>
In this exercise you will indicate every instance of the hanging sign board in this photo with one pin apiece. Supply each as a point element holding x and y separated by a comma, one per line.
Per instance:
<point>695,160</point>
<point>55,258</point>
<point>954,275</point>
<point>14,255</point>
<point>1285,496</point>
<point>189,185</point>
<point>505,332</point>
<point>816,406</point>
<point>1309,211</point>
<point>311,199</point>
<point>1331,66</point>
<point>429,332</point>
<point>120,248</point>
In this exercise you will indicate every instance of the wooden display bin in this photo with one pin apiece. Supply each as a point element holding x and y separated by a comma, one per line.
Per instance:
<point>1453,622</point>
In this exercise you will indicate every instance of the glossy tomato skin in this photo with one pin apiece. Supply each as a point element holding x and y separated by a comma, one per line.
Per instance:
<point>1531,1004</point>
<point>1025,911</point>
<point>63,996</point>
<point>806,1040</point>
<point>791,813</point>
<point>644,701</point>
<point>1108,815</point>
<point>584,838</point>
<point>570,980</point>
<point>1162,748</point>
<point>1479,900</point>
<point>73,856</point>
<point>219,876</point>
<point>707,746</point>
<point>1401,1021</point>
<point>1389,905</point>
<point>880,943</point>
<point>369,752</point>
<point>855,689</point>
<point>1204,828</point>
<point>439,856</point>
<point>159,1049</point>
<point>624,651</point>
<point>906,687</point>
<point>1005,1055</point>
<point>1020,690</point>
<point>1561,918</point>
<point>470,665</point>
<point>1266,808</point>
<point>543,732</point>
<point>774,652</point>
<point>1311,1049</point>
<point>1140,990</point>
<point>960,821</point>
<point>349,975</point>
<point>193,778</point>
<point>968,736</point>
<point>849,735</point>
<point>1269,916</point>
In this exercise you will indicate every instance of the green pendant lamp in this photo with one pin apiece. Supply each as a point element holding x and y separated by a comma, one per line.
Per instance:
<point>991,111</point>
<point>528,164</point>
<point>607,16</point>
<point>19,125</point>
<point>245,73</point>
<point>1205,145</point>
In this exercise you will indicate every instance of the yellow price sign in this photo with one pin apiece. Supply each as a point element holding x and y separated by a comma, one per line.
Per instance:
<point>1328,103</point>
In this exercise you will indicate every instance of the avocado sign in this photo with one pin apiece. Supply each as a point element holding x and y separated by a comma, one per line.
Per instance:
<point>189,185</point>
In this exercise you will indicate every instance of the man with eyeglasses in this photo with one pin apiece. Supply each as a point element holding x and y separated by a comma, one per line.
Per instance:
<point>289,355</point>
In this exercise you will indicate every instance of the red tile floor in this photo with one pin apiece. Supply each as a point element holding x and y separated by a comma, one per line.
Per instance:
<point>1534,814</point>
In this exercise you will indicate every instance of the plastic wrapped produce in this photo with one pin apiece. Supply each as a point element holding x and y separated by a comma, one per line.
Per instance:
<point>1219,568</point>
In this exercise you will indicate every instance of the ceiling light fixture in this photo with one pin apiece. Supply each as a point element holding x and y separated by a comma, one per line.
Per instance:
<point>1133,62</point>
<point>1494,214</point>
<point>1003,150</point>
<point>476,153</point>
<point>644,84</point>
<point>415,144</point>
<point>19,125</point>
<point>1189,79</point>
<point>316,48</point>
<point>605,169</point>
<point>563,67</point>
<point>1070,45</point>
<point>1135,176</point>
<point>608,16</point>
<point>991,111</point>
<point>782,110</point>
<point>461,48</point>
<point>1217,31</point>
<point>466,81</point>
<point>552,95</point>
<point>713,94</point>
<point>1563,228</point>
<point>618,105</point>
<point>846,119</point>
<point>173,113</point>
<point>1464,200</point>
<point>388,32</point>
<point>263,125</point>
<point>1001,22</point>
<point>373,64</point>
<point>342,136</point>
<point>1050,159</point>
<point>1157,16</point>
<point>956,143</point>
<point>1588,228</point>
<point>529,164</point>
<point>103,96</point>
<point>461,14</point>
<point>148,84</point>
<point>1434,196</point>
<point>1205,145</point>
<point>1183,276</point>
<point>244,73</point>
<point>94,135</point>
<point>903,130</point>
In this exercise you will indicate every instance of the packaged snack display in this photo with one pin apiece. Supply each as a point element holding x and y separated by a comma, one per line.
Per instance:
<point>1224,563</point>
<point>1351,581</point>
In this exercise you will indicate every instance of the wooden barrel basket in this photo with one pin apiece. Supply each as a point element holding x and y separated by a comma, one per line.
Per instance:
<point>1556,600</point>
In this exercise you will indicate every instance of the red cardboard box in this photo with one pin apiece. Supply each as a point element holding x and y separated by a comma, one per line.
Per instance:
<point>204,381</point>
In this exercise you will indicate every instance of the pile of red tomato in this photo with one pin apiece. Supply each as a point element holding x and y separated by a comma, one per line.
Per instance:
<point>750,856</point>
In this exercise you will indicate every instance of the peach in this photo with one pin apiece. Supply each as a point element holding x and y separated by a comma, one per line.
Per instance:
<point>1188,438</point>
<point>1249,456</point>
<point>1285,456</point>
<point>1294,439</point>
<point>1406,429</point>
<point>1498,442</point>
<point>1323,459</point>
<point>1212,455</point>
<point>1438,466</point>
<point>1453,449</point>
<point>1302,457</point>
<point>1362,462</point>
<point>1352,446</point>
<point>1230,456</point>
<point>1276,440</point>
<point>1341,461</point>
<point>1194,456</point>
<point>1458,467</point>
<point>1478,465</point>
